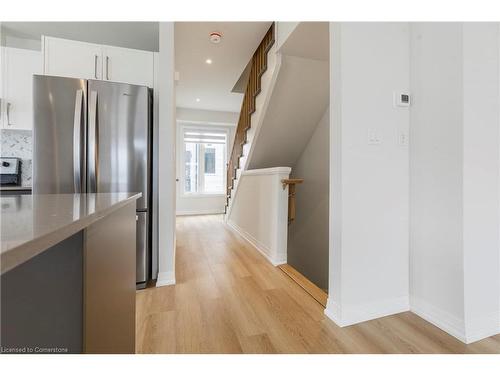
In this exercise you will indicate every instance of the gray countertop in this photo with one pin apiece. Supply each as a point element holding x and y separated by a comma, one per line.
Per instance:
<point>32,223</point>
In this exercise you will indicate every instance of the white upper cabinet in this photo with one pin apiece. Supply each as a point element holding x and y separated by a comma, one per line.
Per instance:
<point>18,68</point>
<point>128,65</point>
<point>69,58</point>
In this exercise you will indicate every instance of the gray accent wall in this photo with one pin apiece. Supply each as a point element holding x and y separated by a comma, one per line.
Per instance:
<point>308,234</point>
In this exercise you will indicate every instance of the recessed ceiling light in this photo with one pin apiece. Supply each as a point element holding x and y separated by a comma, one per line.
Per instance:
<point>208,61</point>
<point>197,99</point>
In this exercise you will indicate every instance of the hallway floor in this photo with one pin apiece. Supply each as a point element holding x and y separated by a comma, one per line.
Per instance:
<point>229,299</point>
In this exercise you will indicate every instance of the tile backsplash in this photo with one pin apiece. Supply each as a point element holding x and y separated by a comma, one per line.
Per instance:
<point>19,144</point>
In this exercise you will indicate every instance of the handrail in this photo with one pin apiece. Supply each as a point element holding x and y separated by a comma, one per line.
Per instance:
<point>258,68</point>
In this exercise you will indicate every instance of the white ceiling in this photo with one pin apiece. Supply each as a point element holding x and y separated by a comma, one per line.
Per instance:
<point>212,84</point>
<point>139,35</point>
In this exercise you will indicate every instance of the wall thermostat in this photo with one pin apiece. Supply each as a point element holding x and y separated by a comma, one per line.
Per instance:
<point>401,99</point>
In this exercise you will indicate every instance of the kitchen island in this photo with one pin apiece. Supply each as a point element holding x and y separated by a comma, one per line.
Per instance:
<point>67,265</point>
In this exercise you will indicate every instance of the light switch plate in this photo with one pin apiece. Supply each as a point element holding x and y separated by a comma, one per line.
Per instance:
<point>403,139</point>
<point>374,138</point>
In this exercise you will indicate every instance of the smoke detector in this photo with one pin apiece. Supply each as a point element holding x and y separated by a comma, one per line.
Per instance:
<point>215,37</point>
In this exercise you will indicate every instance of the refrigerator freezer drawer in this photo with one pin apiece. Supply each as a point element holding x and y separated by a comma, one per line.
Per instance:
<point>142,256</point>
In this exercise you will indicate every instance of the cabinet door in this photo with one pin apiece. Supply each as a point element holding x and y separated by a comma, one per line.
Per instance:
<point>128,65</point>
<point>19,65</point>
<point>70,58</point>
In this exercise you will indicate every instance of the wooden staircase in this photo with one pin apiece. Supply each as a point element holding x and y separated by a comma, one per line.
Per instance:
<point>258,68</point>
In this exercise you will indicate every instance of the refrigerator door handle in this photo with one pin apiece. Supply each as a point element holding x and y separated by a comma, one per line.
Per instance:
<point>95,67</point>
<point>107,68</point>
<point>77,142</point>
<point>93,143</point>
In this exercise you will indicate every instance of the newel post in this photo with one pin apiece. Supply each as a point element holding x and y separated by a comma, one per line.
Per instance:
<point>291,182</point>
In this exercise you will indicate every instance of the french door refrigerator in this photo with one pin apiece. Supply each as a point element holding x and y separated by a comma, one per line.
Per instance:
<point>95,137</point>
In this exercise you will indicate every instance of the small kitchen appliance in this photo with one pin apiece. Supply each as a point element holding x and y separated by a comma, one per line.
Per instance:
<point>10,171</point>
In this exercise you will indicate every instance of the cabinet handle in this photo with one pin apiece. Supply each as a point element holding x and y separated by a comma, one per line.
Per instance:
<point>8,114</point>
<point>107,68</point>
<point>95,66</point>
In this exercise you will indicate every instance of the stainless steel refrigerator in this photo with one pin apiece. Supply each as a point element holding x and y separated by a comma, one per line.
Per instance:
<point>95,137</point>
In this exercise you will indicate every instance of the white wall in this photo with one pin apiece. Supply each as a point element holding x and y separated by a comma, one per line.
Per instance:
<point>436,172</point>
<point>260,211</point>
<point>481,179</point>
<point>227,121</point>
<point>201,116</point>
<point>369,183</point>
<point>454,241</point>
<point>166,156</point>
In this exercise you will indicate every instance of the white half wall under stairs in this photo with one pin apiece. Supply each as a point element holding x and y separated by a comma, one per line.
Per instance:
<point>260,212</point>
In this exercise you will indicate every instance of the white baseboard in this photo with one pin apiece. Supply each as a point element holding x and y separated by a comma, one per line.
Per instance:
<point>261,248</point>
<point>165,278</point>
<point>447,322</point>
<point>482,327</point>
<point>332,311</point>
<point>353,314</point>
<point>200,212</point>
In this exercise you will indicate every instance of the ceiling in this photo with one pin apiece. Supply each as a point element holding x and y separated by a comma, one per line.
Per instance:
<point>138,35</point>
<point>212,84</point>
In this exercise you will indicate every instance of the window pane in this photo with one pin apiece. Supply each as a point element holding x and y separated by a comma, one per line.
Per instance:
<point>191,167</point>
<point>210,160</point>
<point>204,158</point>
<point>214,168</point>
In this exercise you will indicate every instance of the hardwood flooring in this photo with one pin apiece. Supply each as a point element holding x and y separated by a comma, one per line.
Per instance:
<point>314,291</point>
<point>229,299</point>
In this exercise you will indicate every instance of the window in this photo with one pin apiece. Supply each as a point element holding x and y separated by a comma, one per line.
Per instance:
<point>204,161</point>
<point>209,160</point>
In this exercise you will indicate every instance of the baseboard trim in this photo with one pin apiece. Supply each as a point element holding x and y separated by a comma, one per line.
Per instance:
<point>332,311</point>
<point>199,212</point>
<point>165,278</point>
<point>482,327</point>
<point>354,314</point>
<point>440,318</point>
<point>255,243</point>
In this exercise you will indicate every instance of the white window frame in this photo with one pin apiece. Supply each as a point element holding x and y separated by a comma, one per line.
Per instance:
<point>182,162</point>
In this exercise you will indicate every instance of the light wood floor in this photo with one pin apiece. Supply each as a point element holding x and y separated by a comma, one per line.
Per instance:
<point>229,299</point>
